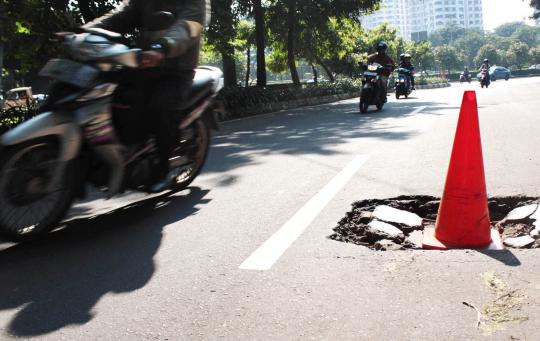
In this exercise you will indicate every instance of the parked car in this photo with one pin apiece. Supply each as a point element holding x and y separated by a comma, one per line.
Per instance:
<point>39,98</point>
<point>534,67</point>
<point>497,72</point>
<point>18,97</point>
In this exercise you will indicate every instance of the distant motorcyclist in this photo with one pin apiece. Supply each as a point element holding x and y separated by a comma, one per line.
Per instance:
<point>169,60</point>
<point>382,58</point>
<point>485,68</point>
<point>405,62</point>
<point>466,73</point>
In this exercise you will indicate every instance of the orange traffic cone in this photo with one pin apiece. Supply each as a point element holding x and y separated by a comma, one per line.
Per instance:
<point>463,218</point>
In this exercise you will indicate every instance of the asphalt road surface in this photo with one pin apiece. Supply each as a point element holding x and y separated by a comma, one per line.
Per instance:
<point>244,254</point>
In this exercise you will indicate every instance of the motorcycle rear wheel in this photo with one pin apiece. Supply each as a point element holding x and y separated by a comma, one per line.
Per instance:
<point>194,146</point>
<point>364,107</point>
<point>28,207</point>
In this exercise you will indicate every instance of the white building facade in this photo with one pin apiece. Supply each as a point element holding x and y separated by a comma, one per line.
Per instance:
<point>415,19</point>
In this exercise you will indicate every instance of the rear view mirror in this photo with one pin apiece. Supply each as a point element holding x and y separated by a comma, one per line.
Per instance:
<point>160,21</point>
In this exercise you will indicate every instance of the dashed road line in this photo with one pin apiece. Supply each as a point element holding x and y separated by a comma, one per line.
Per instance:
<point>268,253</point>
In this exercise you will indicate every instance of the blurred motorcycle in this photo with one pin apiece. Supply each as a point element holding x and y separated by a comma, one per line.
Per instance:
<point>46,162</point>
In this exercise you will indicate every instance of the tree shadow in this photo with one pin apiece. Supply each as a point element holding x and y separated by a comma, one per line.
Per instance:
<point>57,281</point>
<point>310,130</point>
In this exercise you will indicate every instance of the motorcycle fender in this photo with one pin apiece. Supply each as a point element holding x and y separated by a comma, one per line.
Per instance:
<point>47,124</point>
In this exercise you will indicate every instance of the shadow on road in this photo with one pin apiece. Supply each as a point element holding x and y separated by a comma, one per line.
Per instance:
<point>504,256</point>
<point>310,130</point>
<point>56,282</point>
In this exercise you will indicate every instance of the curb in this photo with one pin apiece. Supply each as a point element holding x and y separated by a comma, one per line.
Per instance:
<point>285,105</point>
<point>433,86</point>
<point>293,104</point>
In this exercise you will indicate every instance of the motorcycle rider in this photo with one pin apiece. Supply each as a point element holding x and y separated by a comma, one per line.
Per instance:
<point>466,74</point>
<point>168,62</point>
<point>405,62</point>
<point>485,67</point>
<point>382,58</point>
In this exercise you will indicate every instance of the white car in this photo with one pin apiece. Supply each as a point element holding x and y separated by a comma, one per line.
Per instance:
<point>39,98</point>
<point>534,67</point>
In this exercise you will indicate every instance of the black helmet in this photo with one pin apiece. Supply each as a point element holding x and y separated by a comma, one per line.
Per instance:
<point>486,61</point>
<point>381,46</point>
<point>406,56</point>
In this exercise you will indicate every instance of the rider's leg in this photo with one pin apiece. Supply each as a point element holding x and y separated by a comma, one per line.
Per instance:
<point>384,84</point>
<point>168,96</point>
<point>412,82</point>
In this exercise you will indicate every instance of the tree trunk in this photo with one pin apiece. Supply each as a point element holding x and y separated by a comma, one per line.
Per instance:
<point>1,64</point>
<point>260,33</point>
<point>290,42</point>
<point>229,69</point>
<point>248,65</point>
<point>326,69</point>
<point>315,74</point>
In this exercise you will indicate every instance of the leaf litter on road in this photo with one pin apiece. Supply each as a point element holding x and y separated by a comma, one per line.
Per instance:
<point>504,308</point>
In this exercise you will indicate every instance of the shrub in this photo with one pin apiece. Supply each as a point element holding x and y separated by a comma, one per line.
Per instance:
<point>13,116</point>
<point>234,98</point>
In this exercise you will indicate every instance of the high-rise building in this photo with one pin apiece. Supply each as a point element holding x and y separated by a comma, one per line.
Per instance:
<point>415,19</point>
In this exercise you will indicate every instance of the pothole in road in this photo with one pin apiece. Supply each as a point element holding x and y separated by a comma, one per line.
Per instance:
<point>398,223</point>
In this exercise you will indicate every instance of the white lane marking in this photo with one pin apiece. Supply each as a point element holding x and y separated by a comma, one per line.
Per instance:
<point>417,110</point>
<point>268,253</point>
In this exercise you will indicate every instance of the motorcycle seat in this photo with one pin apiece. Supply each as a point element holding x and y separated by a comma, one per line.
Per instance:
<point>205,79</point>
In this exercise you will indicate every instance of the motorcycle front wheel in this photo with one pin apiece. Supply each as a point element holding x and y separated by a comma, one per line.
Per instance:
<point>193,148</point>
<point>33,197</point>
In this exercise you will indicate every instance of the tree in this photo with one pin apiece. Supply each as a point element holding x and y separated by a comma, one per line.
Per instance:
<point>507,58</point>
<point>447,35</point>
<point>220,35</point>
<point>521,51</point>
<point>289,20</point>
<point>448,57</point>
<point>528,35</point>
<point>255,10</point>
<point>469,43</point>
<point>489,52</point>
<point>535,55</point>
<point>507,29</point>
<point>29,24</point>
<point>422,55</point>
<point>244,41</point>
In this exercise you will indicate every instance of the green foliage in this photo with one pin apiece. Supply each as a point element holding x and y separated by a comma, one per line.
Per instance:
<point>535,55</point>
<point>470,42</point>
<point>521,51</point>
<point>11,117</point>
<point>422,54</point>
<point>449,57</point>
<point>447,35</point>
<point>28,25</point>
<point>489,52</point>
<point>508,29</point>
<point>235,98</point>
<point>527,34</point>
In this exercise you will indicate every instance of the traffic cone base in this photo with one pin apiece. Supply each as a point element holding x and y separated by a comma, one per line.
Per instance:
<point>431,242</point>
